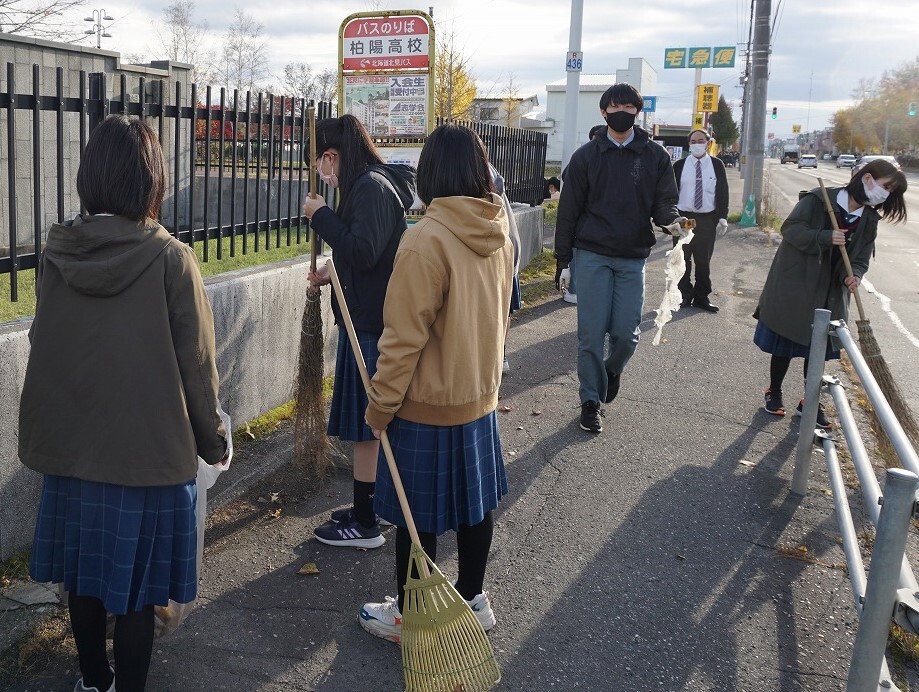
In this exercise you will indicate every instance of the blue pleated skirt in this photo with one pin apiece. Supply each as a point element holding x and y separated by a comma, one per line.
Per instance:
<point>778,345</point>
<point>452,474</point>
<point>130,547</point>
<point>349,400</point>
<point>516,302</point>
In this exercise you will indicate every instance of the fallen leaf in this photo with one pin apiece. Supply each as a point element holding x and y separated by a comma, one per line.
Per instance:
<point>308,568</point>
<point>275,497</point>
<point>747,463</point>
<point>249,431</point>
<point>504,408</point>
<point>276,513</point>
<point>537,413</point>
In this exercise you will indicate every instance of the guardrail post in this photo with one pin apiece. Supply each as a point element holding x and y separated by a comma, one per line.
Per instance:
<point>815,368</point>
<point>881,591</point>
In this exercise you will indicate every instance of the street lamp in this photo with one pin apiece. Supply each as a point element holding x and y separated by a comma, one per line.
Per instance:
<point>98,17</point>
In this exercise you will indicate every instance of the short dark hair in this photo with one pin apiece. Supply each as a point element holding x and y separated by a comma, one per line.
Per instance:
<point>356,149</point>
<point>894,207</point>
<point>596,131</point>
<point>621,94</point>
<point>453,163</point>
<point>122,170</point>
<point>698,129</point>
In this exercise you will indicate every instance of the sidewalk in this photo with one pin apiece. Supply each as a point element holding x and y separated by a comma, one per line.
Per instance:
<point>665,553</point>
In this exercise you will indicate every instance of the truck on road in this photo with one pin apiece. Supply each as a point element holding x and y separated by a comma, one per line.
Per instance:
<point>790,153</point>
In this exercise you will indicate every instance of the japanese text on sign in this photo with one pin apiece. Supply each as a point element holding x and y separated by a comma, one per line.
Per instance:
<point>388,105</point>
<point>674,58</point>
<point>699,57</point>
<point>707,98</point>
<point>371,43</point>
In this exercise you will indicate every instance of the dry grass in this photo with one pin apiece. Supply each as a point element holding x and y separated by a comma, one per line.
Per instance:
<point>537,280</point>
<point>50,638</point>
<point>13,568</point>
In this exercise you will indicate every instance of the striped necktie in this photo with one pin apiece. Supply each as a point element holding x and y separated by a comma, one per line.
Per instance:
<point>697,200</point>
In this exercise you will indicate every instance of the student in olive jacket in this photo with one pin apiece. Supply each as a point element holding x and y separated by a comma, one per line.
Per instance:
<point>119,400</point>
<point>808,273</point>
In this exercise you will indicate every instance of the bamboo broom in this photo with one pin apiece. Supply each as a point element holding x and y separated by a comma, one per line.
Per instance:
<point>311,444</point>
<point>444,648</point>
<point>870,349</point>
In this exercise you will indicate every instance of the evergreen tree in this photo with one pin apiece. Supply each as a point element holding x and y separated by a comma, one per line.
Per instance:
<point>723,125</point>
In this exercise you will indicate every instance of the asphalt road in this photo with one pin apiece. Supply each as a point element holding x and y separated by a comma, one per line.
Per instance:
<point>890,295</point>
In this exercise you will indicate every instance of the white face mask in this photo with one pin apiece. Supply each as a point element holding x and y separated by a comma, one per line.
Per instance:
<point>698,150</point>
<point>329,179</point>
<point>874,194</point>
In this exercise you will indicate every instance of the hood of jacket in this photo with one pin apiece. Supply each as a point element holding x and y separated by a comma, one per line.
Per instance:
<point>103,255</point>
<point>401,177</point>
<point>480,224</point>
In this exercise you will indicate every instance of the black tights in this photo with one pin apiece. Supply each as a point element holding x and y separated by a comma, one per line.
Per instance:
<point>472,546</point>
<point>132,644</point>
<point>778,367</point>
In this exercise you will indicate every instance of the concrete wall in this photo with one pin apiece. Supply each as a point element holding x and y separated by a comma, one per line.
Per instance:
<point>24,52</point>
<point>257,314</point>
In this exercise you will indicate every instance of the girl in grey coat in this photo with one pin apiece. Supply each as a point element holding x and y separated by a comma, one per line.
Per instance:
<point>808,273</point>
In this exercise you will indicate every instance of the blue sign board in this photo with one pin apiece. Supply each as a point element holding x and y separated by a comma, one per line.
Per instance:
<point>650,104</point>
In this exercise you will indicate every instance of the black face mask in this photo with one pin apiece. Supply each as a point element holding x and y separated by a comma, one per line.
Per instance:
<point>620,121</point>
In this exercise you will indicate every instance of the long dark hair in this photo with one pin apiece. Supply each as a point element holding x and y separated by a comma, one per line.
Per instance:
<point>355,149</point>
<point>122,170</point>
<point>894,207</point>
<point>453,163</point>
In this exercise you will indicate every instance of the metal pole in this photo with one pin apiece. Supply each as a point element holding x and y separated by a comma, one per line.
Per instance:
<point>695,96</point>
<point>881,592</point>
<point>573,88</point>
<point>753,183</point>
<point>819,334</point>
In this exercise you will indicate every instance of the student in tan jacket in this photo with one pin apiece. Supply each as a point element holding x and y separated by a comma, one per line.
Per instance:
<point>435,390</point>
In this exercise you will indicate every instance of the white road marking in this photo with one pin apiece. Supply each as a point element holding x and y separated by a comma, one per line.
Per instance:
<point>885,306</point>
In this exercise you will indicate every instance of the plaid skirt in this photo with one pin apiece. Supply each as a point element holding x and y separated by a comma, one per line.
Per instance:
<point>349,400</point>
<point>778,345</point>
<point>130,547</point>
<point>452,474</point>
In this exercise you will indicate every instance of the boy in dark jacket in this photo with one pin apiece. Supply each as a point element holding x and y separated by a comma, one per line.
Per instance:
<point>613,186</point>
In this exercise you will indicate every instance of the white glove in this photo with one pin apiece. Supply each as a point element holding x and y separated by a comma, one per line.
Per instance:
<point>722,227</point>
<point>564,278</point>
<point>678,228</point>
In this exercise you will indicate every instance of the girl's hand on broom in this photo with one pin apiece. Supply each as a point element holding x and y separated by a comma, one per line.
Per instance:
<point>838,238</point>
<point>376,433</point>
<point>318,278</point>
<point>312,204</point>
<point>852,282</point>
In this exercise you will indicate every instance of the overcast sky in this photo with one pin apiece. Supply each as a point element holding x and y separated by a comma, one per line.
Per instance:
<point>820,50</point>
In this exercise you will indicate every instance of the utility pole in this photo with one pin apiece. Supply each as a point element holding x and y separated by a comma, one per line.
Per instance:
<point>573,88</point>
<point>753,182</point>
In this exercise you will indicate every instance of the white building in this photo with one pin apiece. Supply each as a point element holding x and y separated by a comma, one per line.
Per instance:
<point>502,111</point>
<point>639,74</point>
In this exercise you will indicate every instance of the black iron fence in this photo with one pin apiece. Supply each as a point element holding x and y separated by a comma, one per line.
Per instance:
<point>237,161</point>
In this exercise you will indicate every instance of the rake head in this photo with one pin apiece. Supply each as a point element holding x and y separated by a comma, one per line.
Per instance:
<point>444,648</point>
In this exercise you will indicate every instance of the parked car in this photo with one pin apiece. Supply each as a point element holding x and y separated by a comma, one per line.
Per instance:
<point>807,161</point>
<point>845,161</point>
<point>874,157</point>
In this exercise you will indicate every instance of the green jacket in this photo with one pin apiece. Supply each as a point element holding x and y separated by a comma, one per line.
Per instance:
<point>121,385</point>
<point>804,275</point>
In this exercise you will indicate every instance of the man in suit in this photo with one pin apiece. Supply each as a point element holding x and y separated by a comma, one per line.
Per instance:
<point>703,186</point>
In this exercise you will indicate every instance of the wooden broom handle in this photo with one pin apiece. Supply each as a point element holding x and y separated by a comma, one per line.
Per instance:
<point>311,116</point>
<point>384,438</point>
<point>842,248</point>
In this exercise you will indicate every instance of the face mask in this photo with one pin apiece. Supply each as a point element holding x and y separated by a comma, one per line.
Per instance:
<point>329,179</point>
<point>875,194</point>
<point>698,149</point>
<point>620,121</point>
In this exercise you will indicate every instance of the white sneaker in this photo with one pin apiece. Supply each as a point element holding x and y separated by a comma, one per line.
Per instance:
<point>570,298</point>
<point>382,619</point>
<point>385,621</point>
<point>481,606</point>
<point>506,368</point>
<point>80,687</point>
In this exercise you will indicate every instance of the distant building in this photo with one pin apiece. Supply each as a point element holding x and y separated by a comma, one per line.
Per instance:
<point>639,74</point>
<point>502,111</point>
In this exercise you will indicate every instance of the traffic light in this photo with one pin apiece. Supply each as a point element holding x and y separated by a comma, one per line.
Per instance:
<point>912,109</point>
<point>775,112</point>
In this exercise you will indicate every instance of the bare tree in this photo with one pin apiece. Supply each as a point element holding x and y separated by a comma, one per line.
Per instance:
<point>183,39</point>
<point>510,103</point>
<point>40,18</point>
<point>302,82</point>
<point>245,54</point>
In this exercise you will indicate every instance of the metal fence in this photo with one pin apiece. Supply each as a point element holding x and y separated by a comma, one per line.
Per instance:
<point>236,161</point>
<point>890,591</point>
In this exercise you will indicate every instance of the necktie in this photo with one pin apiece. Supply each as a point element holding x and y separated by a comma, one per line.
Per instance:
<point>697,200</point>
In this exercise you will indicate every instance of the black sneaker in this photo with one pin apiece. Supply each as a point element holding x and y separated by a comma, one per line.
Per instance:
<point>822,421</point>
<point>349,532</point>
<point>773,402</point>
<point>340,514</point>
<point>590,417</point>
<point>612,386</point>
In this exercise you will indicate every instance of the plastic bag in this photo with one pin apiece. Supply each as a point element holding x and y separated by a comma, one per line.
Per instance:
<point>674,269</point>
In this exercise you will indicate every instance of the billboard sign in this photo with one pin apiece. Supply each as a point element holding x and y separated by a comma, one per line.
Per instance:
<point>699,57</point>
<point>707,98</point>
<point>386,42</point>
